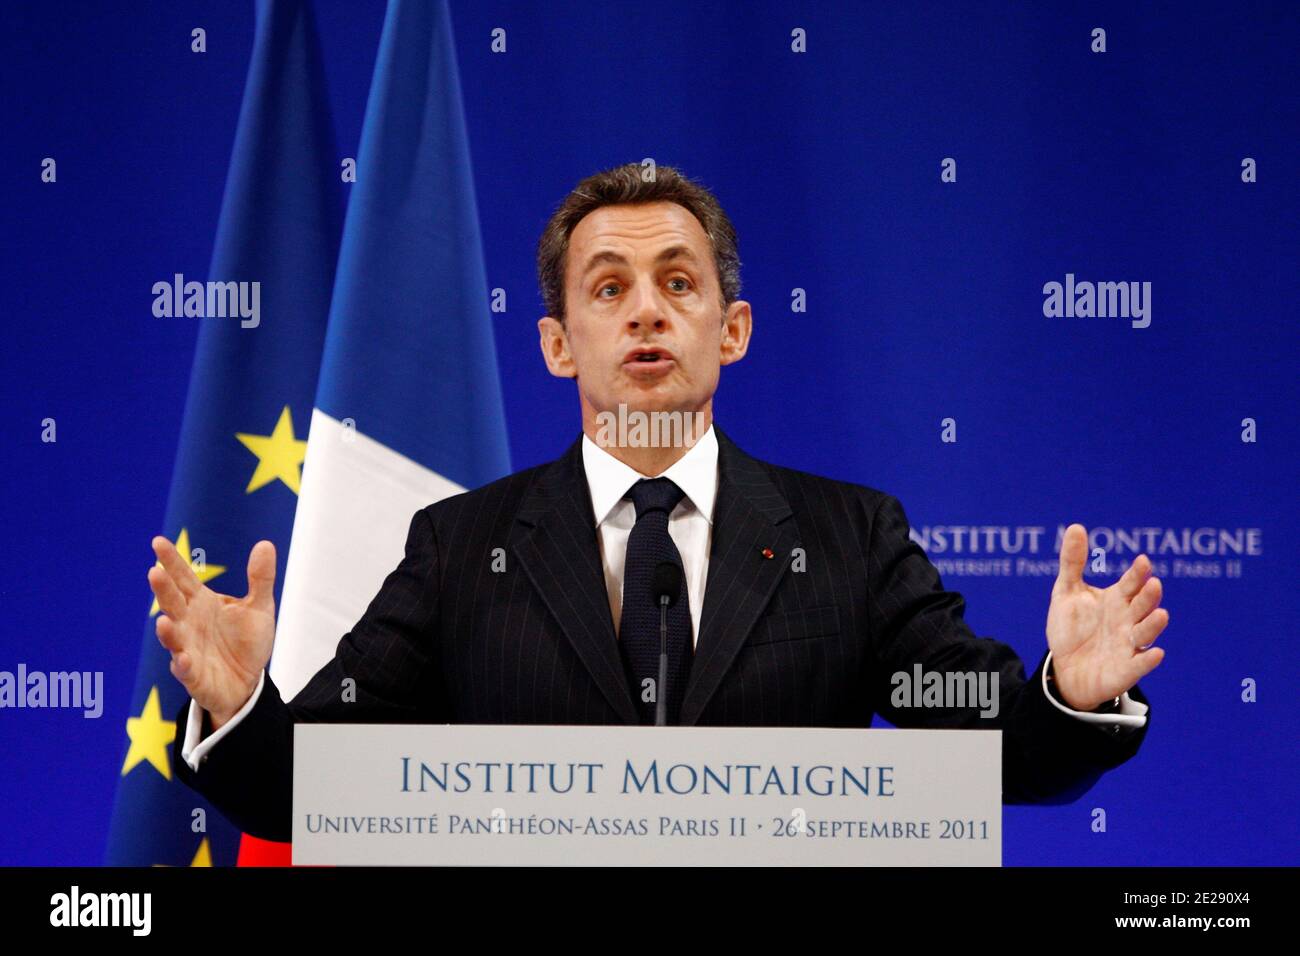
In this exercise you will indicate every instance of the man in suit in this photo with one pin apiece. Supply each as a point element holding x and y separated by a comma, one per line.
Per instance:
<point>798,599</point>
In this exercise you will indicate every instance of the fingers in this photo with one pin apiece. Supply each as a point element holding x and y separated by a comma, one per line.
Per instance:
<point>169,637</point>
<point>261,575</point>
<point>168,594</point>
<point>1135,577</point>
<point>180,666</point>
<point>181,573</point>
<point>1145,632</point>
<point>1074,552</point>
<point>1145,663</point>
<point>1147,600</point>
<point>167,632</point>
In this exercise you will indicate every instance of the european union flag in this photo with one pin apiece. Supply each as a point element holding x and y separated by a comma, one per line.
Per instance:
<point>243,438</point>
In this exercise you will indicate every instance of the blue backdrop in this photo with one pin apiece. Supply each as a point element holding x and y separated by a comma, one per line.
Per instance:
<point>924,302</point>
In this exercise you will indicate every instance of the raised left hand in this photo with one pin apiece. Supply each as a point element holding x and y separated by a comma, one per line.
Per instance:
<point>1097,635</point>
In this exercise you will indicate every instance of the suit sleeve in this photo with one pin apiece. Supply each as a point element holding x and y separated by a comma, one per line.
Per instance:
<point>1048,756</point>
<point>390,665</point>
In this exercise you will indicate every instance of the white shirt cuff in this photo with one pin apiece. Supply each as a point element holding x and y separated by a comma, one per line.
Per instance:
<point>1132,713</point>
<point>195,751</point>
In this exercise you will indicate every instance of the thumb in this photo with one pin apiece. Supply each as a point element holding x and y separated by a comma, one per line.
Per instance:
<point>261,575</point>
<point>1074,551</point>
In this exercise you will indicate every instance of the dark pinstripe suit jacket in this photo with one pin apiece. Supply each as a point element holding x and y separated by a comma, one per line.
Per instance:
<point>447,640</point>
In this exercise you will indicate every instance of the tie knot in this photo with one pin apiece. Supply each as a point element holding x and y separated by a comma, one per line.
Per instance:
<point>654,494</point>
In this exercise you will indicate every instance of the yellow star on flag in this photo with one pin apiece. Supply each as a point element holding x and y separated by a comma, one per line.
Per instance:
<point>279,455</point>
<point>204,572</point>
<point>150,735</point>
<point>202,858</point>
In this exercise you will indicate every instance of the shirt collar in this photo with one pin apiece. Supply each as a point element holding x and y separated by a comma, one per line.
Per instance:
<point>609,479</point>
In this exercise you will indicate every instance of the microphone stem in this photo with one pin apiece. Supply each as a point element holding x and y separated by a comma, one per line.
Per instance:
<point>661,689</point>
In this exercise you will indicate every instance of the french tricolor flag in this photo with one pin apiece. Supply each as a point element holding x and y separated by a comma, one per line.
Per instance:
<point>408,406</point>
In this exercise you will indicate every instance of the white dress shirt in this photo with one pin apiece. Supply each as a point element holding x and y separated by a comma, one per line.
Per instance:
<point>690,526</point>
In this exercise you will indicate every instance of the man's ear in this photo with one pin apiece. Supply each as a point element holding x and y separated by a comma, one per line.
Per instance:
<point>737,325</point>
<point>555,348</point>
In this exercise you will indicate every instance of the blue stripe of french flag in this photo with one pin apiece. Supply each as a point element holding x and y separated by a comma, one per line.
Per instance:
<point>408,407</point>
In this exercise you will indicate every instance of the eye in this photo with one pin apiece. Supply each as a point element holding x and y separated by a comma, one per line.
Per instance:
<point>607,285</point>
<point>683,280</point>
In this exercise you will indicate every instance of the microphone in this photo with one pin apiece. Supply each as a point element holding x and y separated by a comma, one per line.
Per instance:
<point>665,588</point>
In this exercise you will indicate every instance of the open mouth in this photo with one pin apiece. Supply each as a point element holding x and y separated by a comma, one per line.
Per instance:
<point>648,361</point>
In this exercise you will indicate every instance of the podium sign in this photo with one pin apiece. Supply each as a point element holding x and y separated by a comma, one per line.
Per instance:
<point>460,794</point>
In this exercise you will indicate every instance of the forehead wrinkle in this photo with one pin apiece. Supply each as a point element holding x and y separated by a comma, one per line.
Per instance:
<point>608,256</point>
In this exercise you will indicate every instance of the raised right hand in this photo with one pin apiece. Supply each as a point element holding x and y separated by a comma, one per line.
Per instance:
<point>219,644</point>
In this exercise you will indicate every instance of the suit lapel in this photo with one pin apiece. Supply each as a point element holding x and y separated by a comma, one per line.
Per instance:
<point>749,515</point>
<point>554,540</point>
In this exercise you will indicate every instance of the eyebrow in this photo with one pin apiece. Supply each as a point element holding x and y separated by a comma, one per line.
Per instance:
<point>667,255</point>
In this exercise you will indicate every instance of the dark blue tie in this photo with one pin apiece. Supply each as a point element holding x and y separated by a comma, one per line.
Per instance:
<point>638,631</point>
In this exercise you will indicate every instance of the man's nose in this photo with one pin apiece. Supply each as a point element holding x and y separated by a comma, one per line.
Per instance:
<point>647,307</point>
